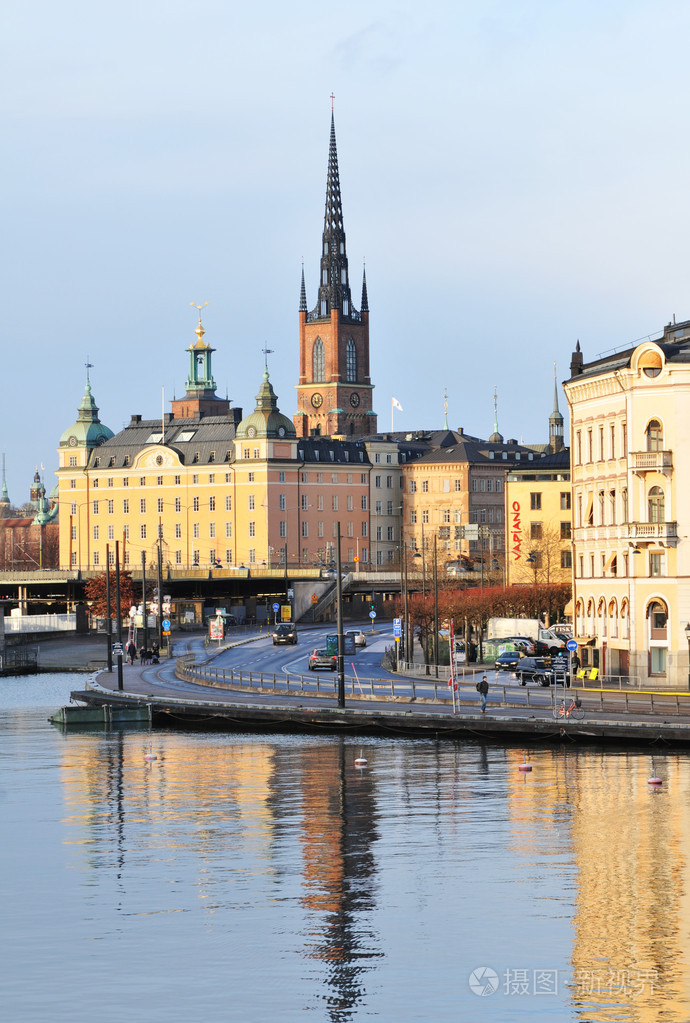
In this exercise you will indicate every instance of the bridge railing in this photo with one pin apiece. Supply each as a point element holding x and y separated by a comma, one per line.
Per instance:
<point>429,690</point>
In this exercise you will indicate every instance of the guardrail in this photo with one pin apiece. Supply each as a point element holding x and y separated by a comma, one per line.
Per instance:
<point>429,691</point>
<point>41,623</point>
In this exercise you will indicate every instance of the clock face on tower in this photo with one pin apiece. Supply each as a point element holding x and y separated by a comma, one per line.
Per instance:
<point>354,399</point>
<point>317,400</point>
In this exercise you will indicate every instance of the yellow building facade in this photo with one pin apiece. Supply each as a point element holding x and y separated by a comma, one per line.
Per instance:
<point>538,522</point>
<point>212,489</point>
<point>630,464</point>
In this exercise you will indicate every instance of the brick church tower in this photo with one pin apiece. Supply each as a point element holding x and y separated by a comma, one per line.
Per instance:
<point>334,393</point>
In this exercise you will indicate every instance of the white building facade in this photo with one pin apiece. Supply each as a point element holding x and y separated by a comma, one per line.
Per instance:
<point>630,451</point>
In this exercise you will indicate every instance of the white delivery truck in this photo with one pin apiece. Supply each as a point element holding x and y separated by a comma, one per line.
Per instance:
<point>531,628</point>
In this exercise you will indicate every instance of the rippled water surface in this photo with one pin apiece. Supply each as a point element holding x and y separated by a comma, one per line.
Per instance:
<point>261,877</point>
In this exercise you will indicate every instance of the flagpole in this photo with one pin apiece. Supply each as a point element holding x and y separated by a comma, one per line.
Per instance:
<point>392,414</point>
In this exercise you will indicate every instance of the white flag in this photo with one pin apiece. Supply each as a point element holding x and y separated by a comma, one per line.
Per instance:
<point>396,404</point>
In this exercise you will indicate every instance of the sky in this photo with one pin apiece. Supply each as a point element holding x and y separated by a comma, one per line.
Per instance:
<point>514,174</point>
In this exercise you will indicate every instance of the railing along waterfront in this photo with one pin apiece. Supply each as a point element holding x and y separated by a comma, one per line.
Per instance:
<point>430,690</point>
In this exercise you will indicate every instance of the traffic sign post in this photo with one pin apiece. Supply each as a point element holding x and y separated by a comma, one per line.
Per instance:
<point>276,609</point>
<point>372,615</point>
<point>571,646</point>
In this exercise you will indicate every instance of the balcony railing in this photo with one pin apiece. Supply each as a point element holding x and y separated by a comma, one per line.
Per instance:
<point>646,531</point>
<point>652,461</point>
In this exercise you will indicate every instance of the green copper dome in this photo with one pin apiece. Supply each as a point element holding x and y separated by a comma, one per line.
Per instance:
<point>266,420</point>
<point>88,431</point>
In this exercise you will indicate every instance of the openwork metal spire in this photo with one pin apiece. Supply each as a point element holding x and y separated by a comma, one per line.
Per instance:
<point>334,283</point>
<point>365,297</point>
<point>303,295</point>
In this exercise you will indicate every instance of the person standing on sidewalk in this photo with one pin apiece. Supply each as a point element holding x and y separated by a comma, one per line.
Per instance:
<point>483,690</point>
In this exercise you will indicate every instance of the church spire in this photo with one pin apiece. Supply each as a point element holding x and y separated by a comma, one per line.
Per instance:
<point>555,419</point>
<point>496,437</point>
<point>303,295</point>
<point>5,498</point>
<point>334,286</point>
<point>365,297</point>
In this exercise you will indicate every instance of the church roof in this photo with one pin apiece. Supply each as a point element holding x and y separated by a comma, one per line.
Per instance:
<point>88,431</point>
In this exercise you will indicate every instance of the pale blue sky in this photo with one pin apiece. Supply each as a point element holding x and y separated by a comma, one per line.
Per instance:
<point>515,174</point>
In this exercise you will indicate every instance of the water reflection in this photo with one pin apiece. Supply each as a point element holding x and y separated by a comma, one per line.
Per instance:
<point>339,875</point>
<point>281,839</point>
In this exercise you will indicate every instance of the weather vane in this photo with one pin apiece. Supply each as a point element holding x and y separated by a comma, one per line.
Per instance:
<point>89,365</point>
<point>267,352</point>
<point>199,306</point>
<point>332,101</point>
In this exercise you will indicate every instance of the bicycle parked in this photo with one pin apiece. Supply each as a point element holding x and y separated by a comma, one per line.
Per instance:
<point>573,710</point>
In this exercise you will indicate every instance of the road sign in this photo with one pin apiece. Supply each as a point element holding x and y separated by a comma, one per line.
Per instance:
<point>118,649</point>
<point>471,531</point>
<point>276,607</point>
<point>166,624</point>
<point>372,615</point>
<point>166,632</point>
<point>572,645</point>
<point>397,628</point>
<point>314,598</point>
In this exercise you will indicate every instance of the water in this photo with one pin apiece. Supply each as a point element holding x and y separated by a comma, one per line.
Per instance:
<point>254,878</point>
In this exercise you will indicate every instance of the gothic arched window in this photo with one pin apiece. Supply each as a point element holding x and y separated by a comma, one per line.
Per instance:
<point>318,370</point>
<point>351,362</point>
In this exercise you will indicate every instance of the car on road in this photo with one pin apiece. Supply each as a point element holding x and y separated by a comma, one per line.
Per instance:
<point>285,632</point>
<point>508,660</point>
<point>359,637</point>
<point>534,669</point>
<point>321,659</point>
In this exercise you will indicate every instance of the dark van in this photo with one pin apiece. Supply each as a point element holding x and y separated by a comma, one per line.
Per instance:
<point>285,632</point>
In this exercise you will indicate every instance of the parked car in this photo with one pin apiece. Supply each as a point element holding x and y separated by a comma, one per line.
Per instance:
<point>508,660</point>
<point>285,632</point>
<point>359,637</point>
<point>320,659</point>
<point>534,669</point>
<point>523,643</point>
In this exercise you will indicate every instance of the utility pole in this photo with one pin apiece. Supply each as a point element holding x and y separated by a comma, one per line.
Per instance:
<point>119,615</point>
<point>341,638</point>
<point>108,607</point>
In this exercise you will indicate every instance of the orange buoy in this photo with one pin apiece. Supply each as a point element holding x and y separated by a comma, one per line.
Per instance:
<point>150,756</point>
<point>524,767</point>
<point>655,781</point>
<point>360,761</point>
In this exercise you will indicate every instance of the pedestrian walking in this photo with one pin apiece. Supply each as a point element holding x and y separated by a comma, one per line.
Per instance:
<point>131,652</point>
<point>483,689</point>
<point>142,655</point>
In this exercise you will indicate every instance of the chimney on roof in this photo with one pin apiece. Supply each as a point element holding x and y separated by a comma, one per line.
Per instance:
<point>576,361</point>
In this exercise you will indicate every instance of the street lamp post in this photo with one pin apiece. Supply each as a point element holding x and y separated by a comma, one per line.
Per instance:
<point>108,631</point>
<point>435,609</point>
<point>339,617</point>
<point>687,636</point>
